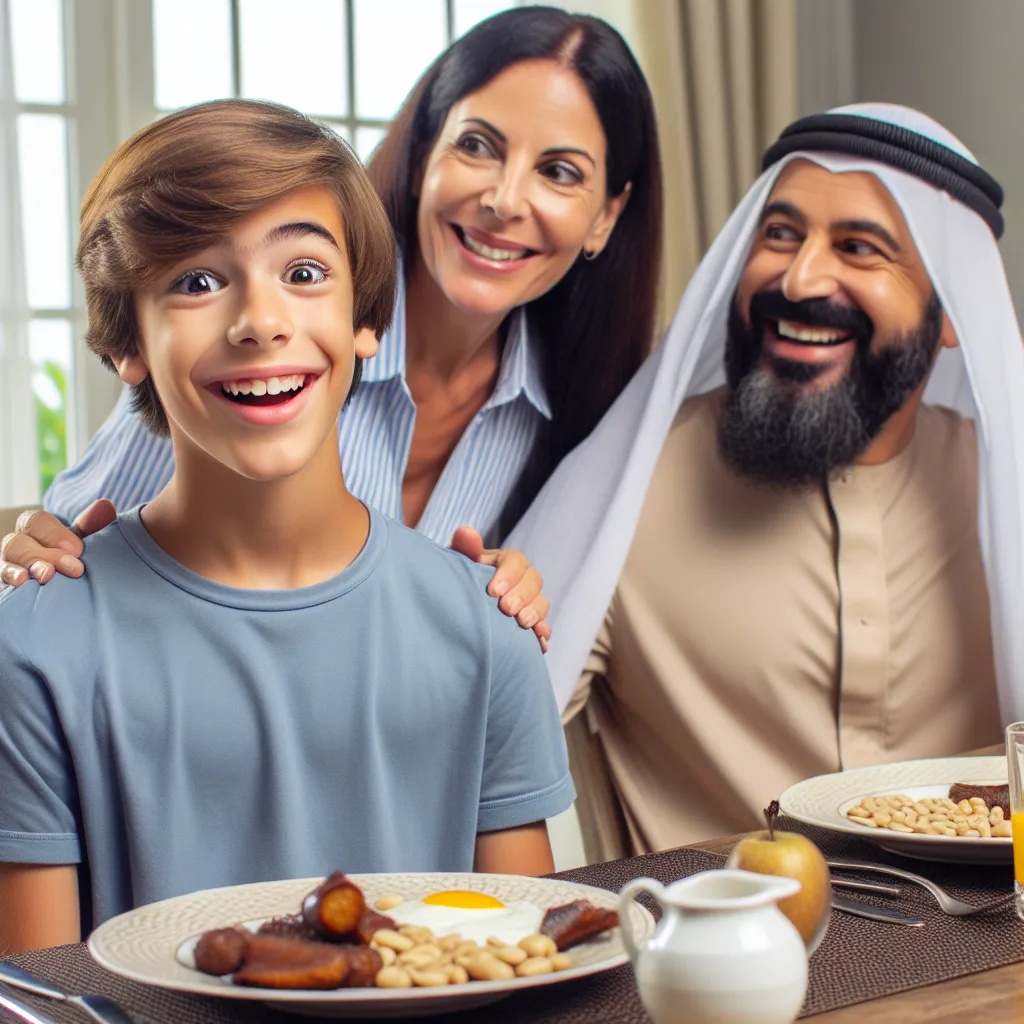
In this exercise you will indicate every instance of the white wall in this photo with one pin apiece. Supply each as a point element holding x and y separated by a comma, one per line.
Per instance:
<point>957,60</point>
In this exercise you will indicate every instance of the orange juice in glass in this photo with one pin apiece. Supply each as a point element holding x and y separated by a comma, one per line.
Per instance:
<point>1015,775</point>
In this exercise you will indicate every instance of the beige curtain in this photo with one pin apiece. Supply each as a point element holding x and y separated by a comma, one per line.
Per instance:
<point>724,78</point>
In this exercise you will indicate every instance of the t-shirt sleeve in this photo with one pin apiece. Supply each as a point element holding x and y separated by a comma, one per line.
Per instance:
<point>38,794</point>
<point>526,769</point>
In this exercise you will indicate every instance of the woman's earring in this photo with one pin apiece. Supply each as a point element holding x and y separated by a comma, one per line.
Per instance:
<point>590,254</point>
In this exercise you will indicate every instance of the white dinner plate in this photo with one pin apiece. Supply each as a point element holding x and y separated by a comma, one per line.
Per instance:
<point>824,800</point>
<point>152,944</point>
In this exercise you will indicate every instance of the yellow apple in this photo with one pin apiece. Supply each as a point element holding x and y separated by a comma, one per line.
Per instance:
<point>792,856</point>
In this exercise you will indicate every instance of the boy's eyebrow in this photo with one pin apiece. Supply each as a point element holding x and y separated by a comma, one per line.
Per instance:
<point>296,228</point>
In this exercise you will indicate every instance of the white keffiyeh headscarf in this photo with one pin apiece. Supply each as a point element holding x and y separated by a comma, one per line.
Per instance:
<point>579,529</point>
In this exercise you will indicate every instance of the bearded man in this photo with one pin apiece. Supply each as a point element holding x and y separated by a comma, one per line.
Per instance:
<point>789,567</point>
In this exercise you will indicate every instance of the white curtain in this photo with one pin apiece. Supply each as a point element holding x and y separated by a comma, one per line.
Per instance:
<point>18,455</point>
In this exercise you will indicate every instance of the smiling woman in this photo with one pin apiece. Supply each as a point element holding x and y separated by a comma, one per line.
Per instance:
<point>522,181</point>
<point>540,192</point>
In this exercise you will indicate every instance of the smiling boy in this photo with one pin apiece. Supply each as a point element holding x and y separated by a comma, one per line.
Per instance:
<point>259,677</point>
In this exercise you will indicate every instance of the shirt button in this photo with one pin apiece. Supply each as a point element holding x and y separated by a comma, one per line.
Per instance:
<point>865,622</point>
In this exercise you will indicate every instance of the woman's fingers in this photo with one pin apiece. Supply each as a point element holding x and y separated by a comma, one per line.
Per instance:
<point>525,583</point>
<point>534,616</point>
<point>99,514</point>
<point>515,582</point>
<point>468,542</point>
<point>23,557</point>
<point>48,532</point>
<point>41,546</point>
<point>524,599</point>
<point>22,552</point>
<point>12,575</point>
<point>543,633</point>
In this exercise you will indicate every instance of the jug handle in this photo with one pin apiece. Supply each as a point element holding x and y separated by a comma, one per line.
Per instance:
<point>629,891</point>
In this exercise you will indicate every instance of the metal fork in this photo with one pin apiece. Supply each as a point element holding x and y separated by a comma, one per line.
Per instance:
<point>947,904</point>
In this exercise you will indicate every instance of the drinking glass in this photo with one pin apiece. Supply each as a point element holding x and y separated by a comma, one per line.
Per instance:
<point>1015,774</point>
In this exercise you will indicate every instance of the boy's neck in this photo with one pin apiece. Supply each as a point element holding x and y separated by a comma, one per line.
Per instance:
<point>278,535</point>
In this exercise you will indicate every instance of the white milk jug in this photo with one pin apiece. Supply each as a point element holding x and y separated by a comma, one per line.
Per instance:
<point>723,952</point>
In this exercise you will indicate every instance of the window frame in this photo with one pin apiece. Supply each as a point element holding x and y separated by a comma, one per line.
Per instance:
<point>19,462</point>
<point>109,74</point>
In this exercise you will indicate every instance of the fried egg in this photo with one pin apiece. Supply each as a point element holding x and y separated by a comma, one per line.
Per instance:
<point>475,916</point>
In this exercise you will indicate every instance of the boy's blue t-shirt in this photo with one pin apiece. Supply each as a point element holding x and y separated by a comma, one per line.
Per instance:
<point>169,733</point>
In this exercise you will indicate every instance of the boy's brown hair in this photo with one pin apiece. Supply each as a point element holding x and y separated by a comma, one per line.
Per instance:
<point>182,183</point>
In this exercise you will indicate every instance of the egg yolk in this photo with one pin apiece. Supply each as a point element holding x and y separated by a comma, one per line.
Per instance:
<point>464,899</point>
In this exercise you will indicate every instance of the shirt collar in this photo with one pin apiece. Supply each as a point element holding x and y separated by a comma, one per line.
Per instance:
<point>520,372</point>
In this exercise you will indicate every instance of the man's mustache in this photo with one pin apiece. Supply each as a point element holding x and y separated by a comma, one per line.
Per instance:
<point>813,312</point>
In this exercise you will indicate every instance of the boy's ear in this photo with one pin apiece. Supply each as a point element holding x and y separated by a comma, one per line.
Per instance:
<point>132,369</point>
<point>365,343</point>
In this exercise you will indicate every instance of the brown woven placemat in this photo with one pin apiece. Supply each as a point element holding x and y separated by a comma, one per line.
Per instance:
<point>859,959</point>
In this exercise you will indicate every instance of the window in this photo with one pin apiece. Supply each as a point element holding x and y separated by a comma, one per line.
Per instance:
<point>349,63</point>
<point>39,312</point>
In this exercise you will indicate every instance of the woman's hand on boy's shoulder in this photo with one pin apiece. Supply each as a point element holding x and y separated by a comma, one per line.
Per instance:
<point>515,582</point>
<point>42,545</point>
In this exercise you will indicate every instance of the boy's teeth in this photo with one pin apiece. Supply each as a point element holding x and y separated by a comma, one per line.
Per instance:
<point>502,255</point>
<point>820,335</point>
<point>269,386</point>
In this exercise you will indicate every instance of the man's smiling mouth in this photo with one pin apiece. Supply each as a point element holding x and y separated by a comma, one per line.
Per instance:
<point>807,334</point>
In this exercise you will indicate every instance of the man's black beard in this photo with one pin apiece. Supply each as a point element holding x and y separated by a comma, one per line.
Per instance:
<point>777,433</point>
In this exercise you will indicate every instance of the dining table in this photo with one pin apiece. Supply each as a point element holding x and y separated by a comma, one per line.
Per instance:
<point>951,970</point>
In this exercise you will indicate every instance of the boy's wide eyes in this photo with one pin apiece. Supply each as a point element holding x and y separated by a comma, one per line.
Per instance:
<point>197,282</point>
<point>202,282</point>
<point>306,273</point>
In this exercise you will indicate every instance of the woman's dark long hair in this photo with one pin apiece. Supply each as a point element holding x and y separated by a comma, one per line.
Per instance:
<point>596,325</point>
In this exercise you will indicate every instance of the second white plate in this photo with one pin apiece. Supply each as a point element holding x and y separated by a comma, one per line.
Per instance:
<point>824,800</point>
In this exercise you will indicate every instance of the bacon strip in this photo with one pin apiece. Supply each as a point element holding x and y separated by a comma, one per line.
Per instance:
<point>573,923</point>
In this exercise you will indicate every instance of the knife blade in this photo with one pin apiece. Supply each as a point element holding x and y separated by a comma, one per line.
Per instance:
<point>874,913</point>
<point>23,1011</point>
<point>99,1008</point>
